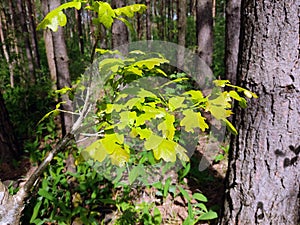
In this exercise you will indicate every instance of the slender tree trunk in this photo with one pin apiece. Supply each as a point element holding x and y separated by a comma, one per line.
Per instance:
<point>33,35</point>
<point>148,20</point>
<point>79,29</point>
<point>49,47</point>
<point>120,35</point>
<point>63,74</point>
<point>233,16</point>
<point>5,50</point>
<point>204,30</point>
<point>25,34</point>
<point>263,176</point>
<point>9,149</point>
<point>181,32</point>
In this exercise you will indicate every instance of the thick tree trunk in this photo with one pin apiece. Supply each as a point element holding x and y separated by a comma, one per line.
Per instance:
<point>204,30</point>
<point>8,143</point>
<point>263,176</point>
<point>120,36</point>
<point>233,16</point>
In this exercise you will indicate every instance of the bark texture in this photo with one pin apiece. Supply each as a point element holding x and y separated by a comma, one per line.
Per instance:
<point>263,176</point>
<point>120,35</point>
<point>233,18</point>
<point>204,29</point>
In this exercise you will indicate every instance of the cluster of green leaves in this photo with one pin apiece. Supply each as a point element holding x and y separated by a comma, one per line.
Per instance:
<point>135,110</point>
<point>106,14</point>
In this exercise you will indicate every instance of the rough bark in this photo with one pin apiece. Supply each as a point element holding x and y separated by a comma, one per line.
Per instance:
<point>233,16</point>
<point>181,32</point>
<point>120,35</point>
<point>263,176</point>
<point>204,30</point>
<point>8,142</point>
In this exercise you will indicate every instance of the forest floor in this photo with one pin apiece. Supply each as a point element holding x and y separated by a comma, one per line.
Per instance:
<point>209,182</point>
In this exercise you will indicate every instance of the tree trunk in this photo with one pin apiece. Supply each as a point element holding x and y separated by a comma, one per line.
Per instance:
<point>204,30</point>
<point>233,15</point>
<point>5,50</point>
<point>148,20</point>
<point>8,142</point>
<point>25,34</point>
<point>263,177</point>
<point>120,36</point>
<point>181,32</point>
<point>79,29</point>
<point>33,35</point>
<point>62,69</point>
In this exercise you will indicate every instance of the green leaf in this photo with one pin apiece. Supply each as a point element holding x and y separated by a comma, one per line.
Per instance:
<point>120,155</point>
<point>235,95</point>
<point>144,133</point>
<point>221,83</point>
<point>126,118</point>
<point>150,63</point>
<point>208,216</point>
<point>184,193</point>
<point>56,17</point>
<point>145,93</point>
<point>129,11</point>
<point>230,127</point>
<point>96,151</point>
<point>36,210</point>
<point>45,194</point>
<point>176,102</point>
<point>200,197</point>
<point>135,172</point>
<point>167,126</point>
<point>157,216</point>
<point>110,65</point>
<point>193,120</point>
<point>106,14</point>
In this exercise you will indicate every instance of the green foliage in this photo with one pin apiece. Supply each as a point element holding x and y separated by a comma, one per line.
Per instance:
<point>106,14</point>
<point>57,17</point>
<point>135,110</point>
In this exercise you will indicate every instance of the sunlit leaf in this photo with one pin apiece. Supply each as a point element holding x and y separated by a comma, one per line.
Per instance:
<point>167,126</point>
<point>56,17</point>
<point>126,118</point>
<point>119,156</point>
<point>106,14</point>
<point>150,63</point>
<point>230,127</point>
<point>176,102</point>
<point>110,65</point>
<point>129,11</point>
<point>221,83</point>
<point>193,120</point>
